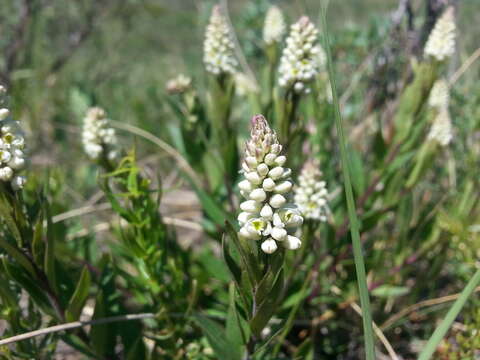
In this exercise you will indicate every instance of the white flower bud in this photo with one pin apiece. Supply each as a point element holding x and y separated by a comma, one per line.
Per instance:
<point>4,114</point>
<point>16,163</point>
<point>283,187</point>
<point>279,234</point>
<point>18,182</point>
<point>269,246</point>
<point>251,161</point>
<point>245,185</point>
<point>258,195</point>
<point>277,201</point>
<point>6,173</point>
<point>266,212</point>
<point>253,177</point>
<point>250,206</point>
<point>280,160</point>
<point>243,217</point>
<point>268,184</point>
<point>262,169</point>
<point>270,159</point>
<point>292,242</point>
<point>276,172</point>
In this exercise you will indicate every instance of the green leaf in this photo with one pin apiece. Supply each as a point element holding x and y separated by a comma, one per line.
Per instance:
<point>6,214</point>
<point>216,337</point>
<point>38,245</point>
<point>79,297</point>
<point>386,291</point>
<point>265,310</point>
<point>31,286</point>
<point>20,257</point>
<point>358,171</point>
<point>49,262</point>
<point>248,259</point>
<point>231,264</point>
<point>234,331</point>
<point>266,284</point>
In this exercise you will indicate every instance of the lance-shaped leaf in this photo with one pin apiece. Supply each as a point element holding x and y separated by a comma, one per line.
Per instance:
<point>79,297</point>
<point>266,309</point>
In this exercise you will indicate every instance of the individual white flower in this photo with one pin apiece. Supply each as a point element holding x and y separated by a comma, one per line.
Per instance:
<point>441,130</point>
<point>439,95</point>
<point>274,27</point>
<point>179,84</point>
<point>300,59</point>
<point>441,41</point>
<point>266,213</point>
<point>98,139</point>
<point>218,47</point>
<point>311,194</point>
<point>12,146</point>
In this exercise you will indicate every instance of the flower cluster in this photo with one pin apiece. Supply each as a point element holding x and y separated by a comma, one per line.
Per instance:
<point>300,58</point>
<point>98,139</point>
<point>12,146</point>
<point>179,84</point>
<point>311,194</point>
<point>441,41</point>
<point>274,27</point>
<point>218,48</point>
<point>439,95</point>
<point>244,85</point>
<point>266,214</point>
<point>441,130</point>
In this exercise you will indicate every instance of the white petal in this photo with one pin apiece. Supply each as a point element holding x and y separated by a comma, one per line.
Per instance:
<point>269,246</point>
<point>292,242</point>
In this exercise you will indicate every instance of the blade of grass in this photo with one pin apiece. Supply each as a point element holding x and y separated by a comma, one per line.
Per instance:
<point>354,229</point>
<point>442,329</point>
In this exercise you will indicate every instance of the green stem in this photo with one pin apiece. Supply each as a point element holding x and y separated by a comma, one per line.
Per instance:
<point>354,225</point>
<point>442,329</point>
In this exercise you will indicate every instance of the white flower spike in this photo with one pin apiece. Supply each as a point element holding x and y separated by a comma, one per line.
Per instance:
<point>274,27</point>
<point>218,47</point>
<point>266,214</point>
<point>441,130</point>
<point>98,138</point>
<point>300,59</point>
<point>311,194</point>
<point>441,41</point>
<point>12,147</point>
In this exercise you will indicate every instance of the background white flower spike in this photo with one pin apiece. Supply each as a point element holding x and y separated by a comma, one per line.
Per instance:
<point>441,41</point>
<point>266,215</point>
<point>97,137</point>
<point>274,27</point>
<point>311,194</point>
<point>218,48</point>
<point>442,129</point>
<point>12,148</point>
<point>300,59</point>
